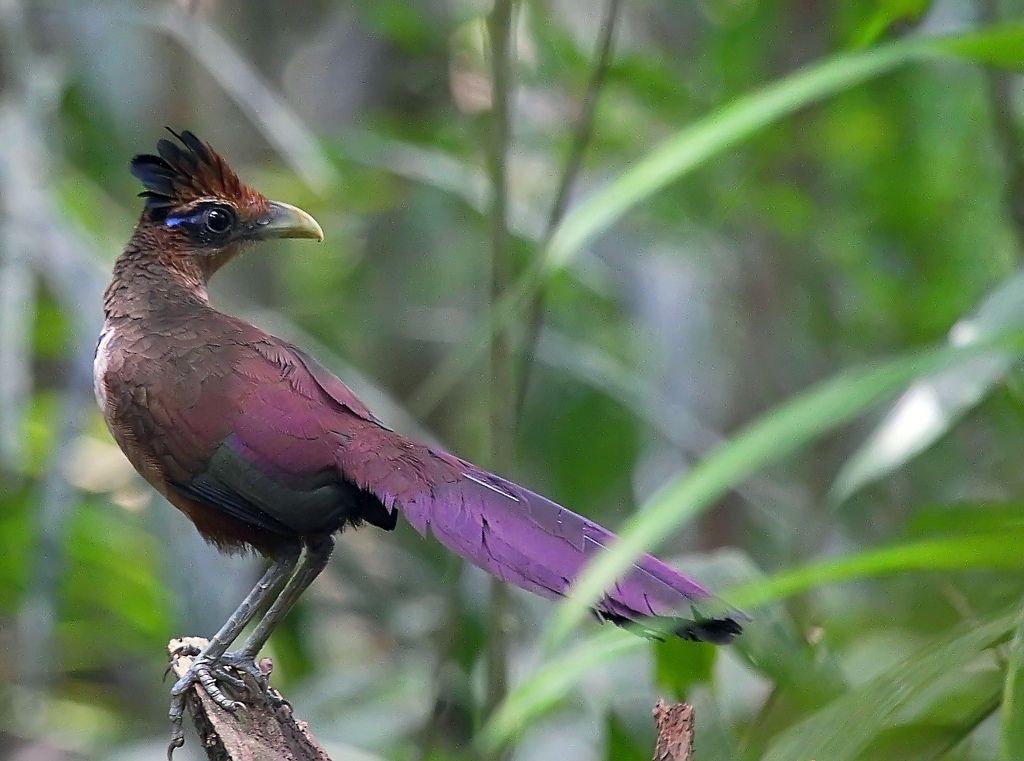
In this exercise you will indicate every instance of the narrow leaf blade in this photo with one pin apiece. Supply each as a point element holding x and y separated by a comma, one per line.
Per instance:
<point>932,405</point>
<point>1012,731</point>
<point>772,437</point>
<point>845,727</point>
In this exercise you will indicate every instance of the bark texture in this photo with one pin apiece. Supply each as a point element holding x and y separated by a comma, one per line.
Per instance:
<point>675,732</point>
<point>266,731</point>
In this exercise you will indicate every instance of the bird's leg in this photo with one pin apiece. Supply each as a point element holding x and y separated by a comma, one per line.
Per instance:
<point>207,668</point>
<point>314,559</point>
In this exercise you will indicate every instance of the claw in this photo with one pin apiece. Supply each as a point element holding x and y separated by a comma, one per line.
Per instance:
<point>207,673</point>
<point>177,740</point>
<point>185,649</point>
<point>211,674</point>
<point>177,731</point>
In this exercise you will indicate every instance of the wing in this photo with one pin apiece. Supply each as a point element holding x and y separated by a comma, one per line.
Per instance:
<point>276,467</point>
<point>288,448</point>
<point>240,425</point>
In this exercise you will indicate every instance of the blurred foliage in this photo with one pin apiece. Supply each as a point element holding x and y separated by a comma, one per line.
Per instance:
<point>788,214</point>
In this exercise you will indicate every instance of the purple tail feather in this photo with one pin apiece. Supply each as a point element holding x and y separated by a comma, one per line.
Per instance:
<point>533,543</point>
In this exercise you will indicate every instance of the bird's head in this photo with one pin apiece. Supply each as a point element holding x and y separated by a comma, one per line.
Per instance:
<point>197,208</point>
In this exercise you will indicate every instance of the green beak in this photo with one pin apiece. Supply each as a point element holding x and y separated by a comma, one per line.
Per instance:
<point>283,220</point>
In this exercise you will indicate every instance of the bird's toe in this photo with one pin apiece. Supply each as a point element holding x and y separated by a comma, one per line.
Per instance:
<point>212,675</point>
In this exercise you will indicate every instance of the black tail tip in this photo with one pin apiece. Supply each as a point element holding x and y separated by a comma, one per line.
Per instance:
<point>717,631</point>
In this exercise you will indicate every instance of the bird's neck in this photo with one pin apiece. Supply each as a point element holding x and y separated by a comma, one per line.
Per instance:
<point>150,282</point>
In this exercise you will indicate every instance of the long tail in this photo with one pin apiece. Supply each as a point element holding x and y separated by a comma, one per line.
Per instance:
<point>533,543</point>
<point>501,527</point>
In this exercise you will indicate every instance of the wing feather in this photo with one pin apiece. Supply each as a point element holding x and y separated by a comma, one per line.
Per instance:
<point>255,428</point>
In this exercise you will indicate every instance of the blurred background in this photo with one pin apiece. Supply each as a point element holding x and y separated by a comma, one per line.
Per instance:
<point>736,200</point>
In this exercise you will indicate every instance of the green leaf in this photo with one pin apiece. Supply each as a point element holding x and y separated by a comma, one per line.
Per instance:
<point>772,437</point>
<point>1000,45</point>
<point>767,645</point>
<point>620,745</point>
<point>931,405</point>
<point>1012,735</point>
<point>960,553</point>
<point>552,681</point>
<point>884,15</point>
<point>967,517</point>
<point>844,728</point>
<point>771,647</point>
<point>679,665</point>
<point>694,145</point>
<point>922,741</point>
<point>949,711</point>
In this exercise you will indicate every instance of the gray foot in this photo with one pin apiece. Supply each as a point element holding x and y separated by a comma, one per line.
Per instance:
<point>230,669</point>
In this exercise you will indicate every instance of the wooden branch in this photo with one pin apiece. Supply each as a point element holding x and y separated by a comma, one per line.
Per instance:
<point>265,731</point>
<point>675,732</point>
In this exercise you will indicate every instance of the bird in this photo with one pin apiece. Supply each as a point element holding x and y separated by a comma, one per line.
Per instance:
<point>266,450</point>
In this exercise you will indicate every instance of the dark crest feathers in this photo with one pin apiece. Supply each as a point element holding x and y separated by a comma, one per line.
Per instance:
<point>184,173</point>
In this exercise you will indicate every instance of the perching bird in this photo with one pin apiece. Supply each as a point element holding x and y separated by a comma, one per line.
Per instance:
<point>263,448</point>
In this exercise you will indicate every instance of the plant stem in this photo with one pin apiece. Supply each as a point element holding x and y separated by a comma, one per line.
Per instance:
<point>573,161</point>
<point>502,376</point>
<point>1006,132</point>
<point>506,399</point>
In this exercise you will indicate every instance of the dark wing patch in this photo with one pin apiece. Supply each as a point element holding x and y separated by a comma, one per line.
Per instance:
<point>240,484</point>
<point>203,490</point>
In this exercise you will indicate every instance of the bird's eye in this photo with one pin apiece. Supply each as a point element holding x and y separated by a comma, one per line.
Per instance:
<point>218,221</point>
